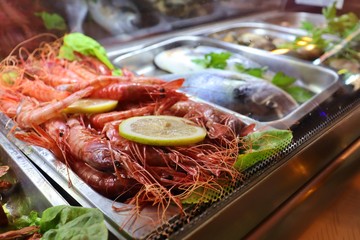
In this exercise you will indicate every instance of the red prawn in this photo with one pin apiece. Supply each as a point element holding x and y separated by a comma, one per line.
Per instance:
<point>103,81</point>
<point>42,92</point>
<point>112,185</point>
<point>107,184</point>
<point>90,146</point>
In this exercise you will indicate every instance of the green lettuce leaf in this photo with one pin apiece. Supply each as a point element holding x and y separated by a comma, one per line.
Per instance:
<point>68,222</point>
<point>78,42</point>
<point>262,145</point>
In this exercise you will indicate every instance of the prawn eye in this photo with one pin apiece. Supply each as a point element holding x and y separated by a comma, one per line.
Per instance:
<point>168,177</point>
<point>117,164</point>
<point>162,91</point>
<point>61,134</point>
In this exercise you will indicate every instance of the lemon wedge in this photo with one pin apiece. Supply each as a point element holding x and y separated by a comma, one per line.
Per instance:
<point>161,130</point>
<point>91,106</point>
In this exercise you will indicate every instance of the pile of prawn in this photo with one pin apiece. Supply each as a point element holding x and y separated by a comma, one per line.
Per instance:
<point>36,87</point>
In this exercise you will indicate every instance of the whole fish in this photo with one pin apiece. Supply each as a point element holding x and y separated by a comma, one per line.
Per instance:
<point>247,95</point>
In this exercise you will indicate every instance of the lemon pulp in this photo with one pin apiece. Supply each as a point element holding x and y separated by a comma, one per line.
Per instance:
<point>161,130</point>
<point>91,106</point>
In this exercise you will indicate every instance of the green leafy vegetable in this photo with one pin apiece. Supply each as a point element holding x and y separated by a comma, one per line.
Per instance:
<point>286,82</point>
<point>340,26</point>
<point>330,11</point>
<point>27,220</point>
<point>205,195</point>
<point>280,79</point>
<point>78,42</point>
<point>256,72</point>
<point>214,60</point>
<point>300,94</point>
<point>52,21</point>
<point>262,145</point>
<point>66,222</point>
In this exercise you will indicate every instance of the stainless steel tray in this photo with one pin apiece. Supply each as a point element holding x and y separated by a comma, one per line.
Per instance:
<point>268,31</point>
<point>122,225</point>
<point>322,81</point>
<point>30,191</point>
<point>294,19</point>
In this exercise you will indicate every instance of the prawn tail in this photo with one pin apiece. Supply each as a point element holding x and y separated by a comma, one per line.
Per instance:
<point>174,84</point>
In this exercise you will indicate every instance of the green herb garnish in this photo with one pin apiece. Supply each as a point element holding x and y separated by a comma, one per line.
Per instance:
<point>300,94</point>
<point>286,82</point>
<point>52,21</point>
<point>214,60</point>
<point>256,72</point>
<point>340,26</point>
<point>282,80</point>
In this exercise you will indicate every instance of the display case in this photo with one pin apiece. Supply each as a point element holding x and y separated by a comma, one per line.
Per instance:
<point>271,197</point>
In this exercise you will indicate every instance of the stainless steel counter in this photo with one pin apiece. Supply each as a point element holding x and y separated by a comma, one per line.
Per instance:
<point>326,208</point>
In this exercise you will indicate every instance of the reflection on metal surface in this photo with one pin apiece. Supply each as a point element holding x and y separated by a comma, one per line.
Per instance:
<point>354,80</point>
<point>329,203</point>
<point>341,218</point>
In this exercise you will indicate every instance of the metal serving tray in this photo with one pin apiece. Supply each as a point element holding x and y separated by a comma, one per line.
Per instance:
<point>122,225</point>
<point>322,81</point>
<point>268,31</point>
<point>30,190</point>
<point>294,19</point>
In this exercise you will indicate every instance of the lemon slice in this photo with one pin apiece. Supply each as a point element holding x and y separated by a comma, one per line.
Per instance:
<point>161,130</point>
<point>91,106</point>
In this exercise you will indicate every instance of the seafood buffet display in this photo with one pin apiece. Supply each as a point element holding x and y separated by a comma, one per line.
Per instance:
<point>154,136</point>
<point>88,141</point>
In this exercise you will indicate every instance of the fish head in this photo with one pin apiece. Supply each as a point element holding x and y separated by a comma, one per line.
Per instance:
<point>263,101</point>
